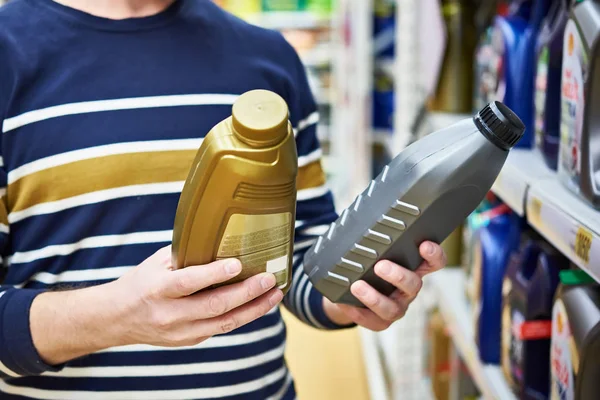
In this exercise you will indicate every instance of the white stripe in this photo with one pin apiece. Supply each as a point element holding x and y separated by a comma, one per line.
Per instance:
<point>305,244</point>
<point>4,228</point>
<point>317,230</point>
<point>92,242</point>
<point>96,197</point>
<point>212,343</point>
<point>299,292</point>
<point>2,294</point>
<point>309,158</point>
<point>182,394</point>
<point>116,104</point>
<point>284,388</point>
<point>313,193</point>
<point>291,294</point>
<point>312,119</point>
<point>84,275</point>
<point>309,314</point>
<point>102,151</point>
<point>171,370</point>
<point>1,161</point>
<point>8,371</point>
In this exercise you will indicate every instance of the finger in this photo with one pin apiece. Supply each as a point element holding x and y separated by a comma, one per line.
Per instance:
<point>383,306</point>
<point>434,258</point>
<point>365,318</point>
<point>406,281</point>
<point>215,302</point>
<point>186,281</point>
<point>240,316</point>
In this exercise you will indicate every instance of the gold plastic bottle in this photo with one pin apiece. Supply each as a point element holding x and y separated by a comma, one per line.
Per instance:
<point>239,200</point>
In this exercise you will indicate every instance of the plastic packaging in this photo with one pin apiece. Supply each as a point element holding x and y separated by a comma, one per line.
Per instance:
<point>579,159</point>
<point>239,200</point>
<point>528,295</point>
<point>425,193</point>
<point>548,82</point>
<point>575,349</point>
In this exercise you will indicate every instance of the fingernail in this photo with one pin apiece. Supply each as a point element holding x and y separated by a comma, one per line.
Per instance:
<point>233,267</point>
<point>268,281</point>
<point>429,249</point>
<point>385,268</point>
<point>275,298</point>
<point>361,289</point>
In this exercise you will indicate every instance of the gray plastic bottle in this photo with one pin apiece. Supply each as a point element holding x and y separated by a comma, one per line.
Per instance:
<point>425,193</point>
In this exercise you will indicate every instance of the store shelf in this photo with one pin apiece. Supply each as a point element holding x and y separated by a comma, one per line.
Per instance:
<point>522,169</point>
<point>450,284</point>
<point>290,20</point>
<point>568,222</point>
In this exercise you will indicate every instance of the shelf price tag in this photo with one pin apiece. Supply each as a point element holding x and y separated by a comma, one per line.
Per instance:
<point>535,211</point>
<point>583,244</point>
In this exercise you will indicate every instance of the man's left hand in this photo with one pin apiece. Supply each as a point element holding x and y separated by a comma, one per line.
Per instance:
<point>382,310</point>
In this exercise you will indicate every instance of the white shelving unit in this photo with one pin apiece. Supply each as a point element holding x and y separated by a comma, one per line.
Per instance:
<point>522,170</point>
<point>565,220</point>
<point>450,288</point>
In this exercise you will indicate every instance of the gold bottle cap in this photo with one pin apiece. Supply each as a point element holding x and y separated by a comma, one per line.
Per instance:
<point>260,118</point>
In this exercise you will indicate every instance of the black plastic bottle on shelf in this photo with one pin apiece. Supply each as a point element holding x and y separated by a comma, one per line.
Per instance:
<point>579,158</point>
<point>528,293</point>
<point>425,193</point>
<point>575,349</point>
<point>548,81</point>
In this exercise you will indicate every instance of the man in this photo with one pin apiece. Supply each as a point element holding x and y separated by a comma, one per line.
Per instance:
<point>104,104</point>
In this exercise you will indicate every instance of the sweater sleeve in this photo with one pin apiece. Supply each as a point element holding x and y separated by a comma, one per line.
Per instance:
<point>315,209</point>
<point>18,356</point>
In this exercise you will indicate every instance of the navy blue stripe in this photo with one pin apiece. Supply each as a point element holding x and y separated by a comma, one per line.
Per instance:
<point>113,217</point>
<point>175,382</point>
<point>167,358</point>
<point>84,259</point>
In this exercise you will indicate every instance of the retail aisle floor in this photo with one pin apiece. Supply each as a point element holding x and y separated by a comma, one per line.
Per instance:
<point>325,365</point>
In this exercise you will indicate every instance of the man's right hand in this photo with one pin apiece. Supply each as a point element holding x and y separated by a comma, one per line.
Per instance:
<point>166,310</point>
<point>151,304</point>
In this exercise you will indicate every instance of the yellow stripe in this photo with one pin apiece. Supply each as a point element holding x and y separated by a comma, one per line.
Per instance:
<point>310,176</point>
<point>3,211</point>
<point>96,174</point>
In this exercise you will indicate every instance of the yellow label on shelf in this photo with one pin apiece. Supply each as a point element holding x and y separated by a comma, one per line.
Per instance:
<point>583,244</point>
<point>535,211</point>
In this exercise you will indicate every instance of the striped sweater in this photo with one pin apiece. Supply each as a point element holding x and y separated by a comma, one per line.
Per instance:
<point>101,120</point>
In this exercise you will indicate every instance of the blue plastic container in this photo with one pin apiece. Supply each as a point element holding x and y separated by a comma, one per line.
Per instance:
<point>494,243</point>
<point>529,289</point>
<point>515,39</point>
<point>548,82</point>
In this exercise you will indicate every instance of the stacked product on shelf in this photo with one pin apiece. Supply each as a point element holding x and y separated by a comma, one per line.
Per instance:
<point>548,82</point>
<point>575,349</point>
<point>508,56</point>
<point>528,294</point>
<point>492,245</point>
<point>384,48</point>
<point>579,159</point>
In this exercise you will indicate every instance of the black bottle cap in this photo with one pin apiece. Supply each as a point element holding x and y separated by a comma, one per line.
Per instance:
<point>500,125</point>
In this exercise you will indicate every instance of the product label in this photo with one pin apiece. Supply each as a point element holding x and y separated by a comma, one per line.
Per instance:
<point>563,355</point>
<point>541,86</point>
<point>574,74</point>
<point>583,244</point>
<point>512,345</point>
<point>260,242</point>
<point>489,67</point>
